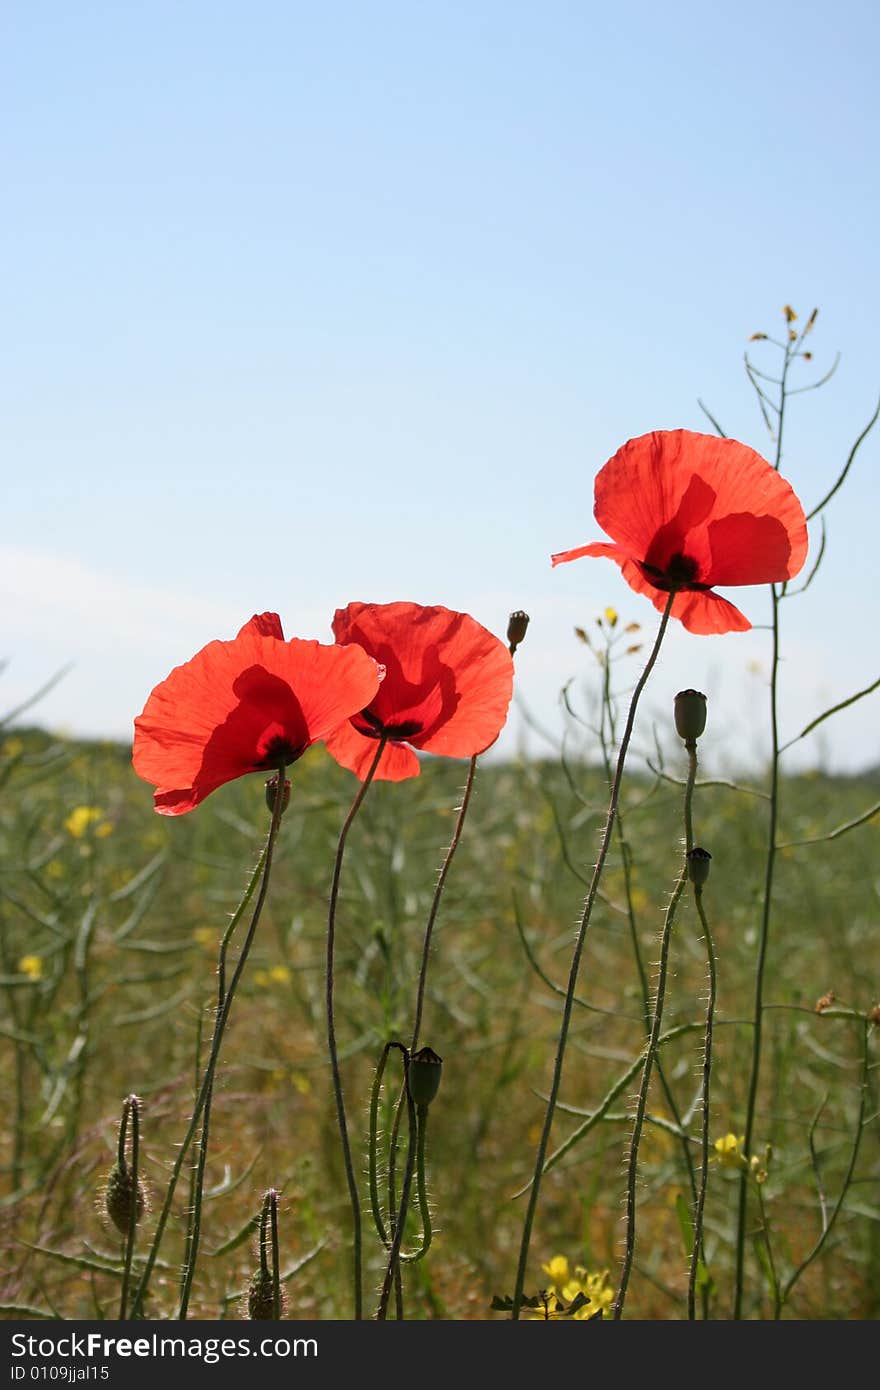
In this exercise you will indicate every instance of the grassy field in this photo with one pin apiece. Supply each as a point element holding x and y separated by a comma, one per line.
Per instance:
<point>111,918</point>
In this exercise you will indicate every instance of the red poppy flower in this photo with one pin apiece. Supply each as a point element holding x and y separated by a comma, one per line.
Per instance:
<point>689,511</point>
<point>446,689</point>
<point>244,706</point>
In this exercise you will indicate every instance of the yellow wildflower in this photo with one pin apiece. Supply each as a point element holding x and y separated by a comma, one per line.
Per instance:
<point>557,1269</point>
<point>729,1151</point>
<point>32,966</point>
<point>611,617</point>
<point>204,936</point>
<point>279,974</point>
<point>80,818</point>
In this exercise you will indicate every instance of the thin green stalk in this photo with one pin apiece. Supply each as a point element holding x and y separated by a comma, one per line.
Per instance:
<point>755,1067</point>
<point>423,974</point>
<point>758,1010</point>
<point>696,1254</point>
<point>644,985</point>
<point>400,1222</point>
<point>641,1105</point>
<point>276,1276</point>
<point>575,964</point>
<point>130,1111</point>
<point>261,872</point>
<point>331,1034</point>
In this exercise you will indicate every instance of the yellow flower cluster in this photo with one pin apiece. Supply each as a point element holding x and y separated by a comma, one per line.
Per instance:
<point>32,966</point>
<point>277,975</point>
<point>81,820</point>
<point>730,1153</point>
<point>566,1287</point>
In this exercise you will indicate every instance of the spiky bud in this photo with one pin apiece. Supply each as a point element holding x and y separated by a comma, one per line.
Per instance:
<point>118,1197</point>
<point>260,1306</point>
<point>425,1070</point>
<point>699,861</point>
<point>690,714</point>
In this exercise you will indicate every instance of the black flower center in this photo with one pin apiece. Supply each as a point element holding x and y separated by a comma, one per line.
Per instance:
<point>371,726</point>
<point>279,750</point>
<point>680,573</point>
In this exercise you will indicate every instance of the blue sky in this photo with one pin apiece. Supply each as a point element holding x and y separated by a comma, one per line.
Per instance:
<point>306,304</point>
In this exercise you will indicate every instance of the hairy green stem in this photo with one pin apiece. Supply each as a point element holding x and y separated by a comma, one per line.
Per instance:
<point>575,965</point>
<point>357,1255</point>
<point>696,1254</point>
<point>261,873</point>
<point>130,1112</point>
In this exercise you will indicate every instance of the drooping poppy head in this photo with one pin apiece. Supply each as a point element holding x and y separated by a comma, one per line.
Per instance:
<point>446,688</point>
<point>688,511</point>
<point>249,705</point>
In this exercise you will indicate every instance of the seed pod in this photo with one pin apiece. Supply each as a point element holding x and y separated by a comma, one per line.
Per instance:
<point>516,629</point>
<point>425,1069</point>
<point>690,714</point>
<point>272,792</point>
<point>698,862</point>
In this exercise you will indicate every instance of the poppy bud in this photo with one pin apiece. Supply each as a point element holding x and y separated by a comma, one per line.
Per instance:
<point>271,792</point>
<point>425,1068</point>
<point>698,863</point>
<point>516,629</point>
<point>118,1197</point>
<point>690,714</point>
<point>260,1303</point>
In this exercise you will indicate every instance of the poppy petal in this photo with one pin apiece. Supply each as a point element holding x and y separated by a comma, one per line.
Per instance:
<point>647,486</point>
<point>356,752</point>
<point>703,613</point>
<point>596,548</point>
<point>266,624</point>
<point>448,680</point>
<point>223,713</point>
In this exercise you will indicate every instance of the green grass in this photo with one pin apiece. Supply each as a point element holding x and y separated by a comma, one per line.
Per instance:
<point>125,927</point>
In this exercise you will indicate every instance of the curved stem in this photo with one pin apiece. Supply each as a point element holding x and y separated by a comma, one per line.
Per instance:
<point>641,1105</point>
<point>331,1033</point>
<point>400,1223</point>
<point>423,973</point>
<point>653,1045</point>
<point>435,901</point>
<point>264,866</point>
<point>575,964</point>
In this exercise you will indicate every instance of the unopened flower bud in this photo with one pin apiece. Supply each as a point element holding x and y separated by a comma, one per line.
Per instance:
<point>425,1069</point>
<point>698,863</point>
<point>118,1197</point>
<point>690,714</point>
<point>272,791</point>
<point>516,629</point>
<point>260,1303</point>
